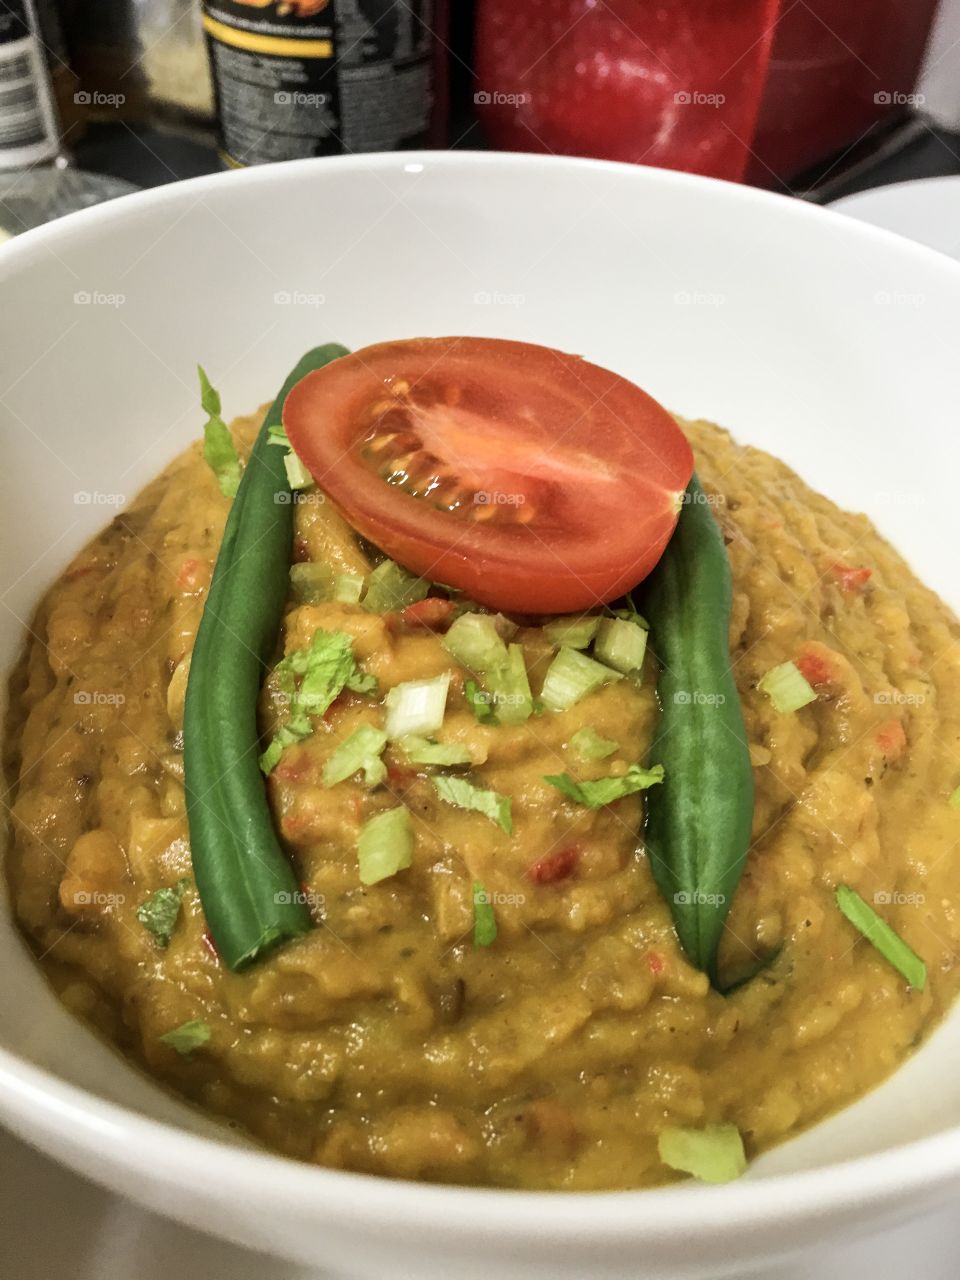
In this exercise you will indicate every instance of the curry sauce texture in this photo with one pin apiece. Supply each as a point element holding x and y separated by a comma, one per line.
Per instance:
<point>385,1041</point>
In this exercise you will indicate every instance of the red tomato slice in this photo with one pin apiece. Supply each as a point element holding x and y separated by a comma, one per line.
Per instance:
<point>530,479</point>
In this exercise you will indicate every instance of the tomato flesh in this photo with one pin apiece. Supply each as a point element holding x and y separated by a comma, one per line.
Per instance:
<point>530,479</point>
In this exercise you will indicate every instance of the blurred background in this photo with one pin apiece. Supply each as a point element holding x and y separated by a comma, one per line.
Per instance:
<point>818,98</point>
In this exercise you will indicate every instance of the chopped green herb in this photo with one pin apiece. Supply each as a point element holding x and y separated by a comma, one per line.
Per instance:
<point>361,750</point>
<point>589,745</point>
<point>712,1154</point>
<point>484,920</point>
<point>219,451</point>
<point>880,935</point>
<point>158,914</point>
<point>480,703</point>
<point>187,1037</point>
<point>416,706</point>
<point>466,795</point>
<point>385,845</point>
<point>422,751</point>
<point>787,688</point>
<point>620,644</point>
<point>603,791</point>
<point>571,676</point>
<point>573,632</point>
<point>390,587</point>
<point>326,667</point>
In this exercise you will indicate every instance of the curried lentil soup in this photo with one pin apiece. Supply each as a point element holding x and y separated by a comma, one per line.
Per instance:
<point>385,1041</point>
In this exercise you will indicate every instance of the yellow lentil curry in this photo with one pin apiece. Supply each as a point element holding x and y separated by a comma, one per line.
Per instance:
<point>385,1041</point>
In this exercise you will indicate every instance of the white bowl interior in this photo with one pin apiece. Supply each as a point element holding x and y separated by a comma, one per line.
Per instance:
<point>831,344</point>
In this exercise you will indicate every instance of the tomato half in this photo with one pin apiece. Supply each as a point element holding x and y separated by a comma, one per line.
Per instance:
<point>530,479</point>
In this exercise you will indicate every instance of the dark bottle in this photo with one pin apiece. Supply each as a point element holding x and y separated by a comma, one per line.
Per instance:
<point>299,78</point>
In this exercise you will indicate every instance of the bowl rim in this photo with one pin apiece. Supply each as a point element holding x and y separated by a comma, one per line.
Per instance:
<point>37,1104</point>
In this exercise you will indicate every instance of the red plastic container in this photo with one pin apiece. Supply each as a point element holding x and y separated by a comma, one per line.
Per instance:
<point>732,88</point>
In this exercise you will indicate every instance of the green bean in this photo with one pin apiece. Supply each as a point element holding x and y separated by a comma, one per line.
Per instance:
<point>698,822</point>
<point>247,886</point>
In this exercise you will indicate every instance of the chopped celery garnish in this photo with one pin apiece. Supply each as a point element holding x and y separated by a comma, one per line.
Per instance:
<point>416,706</point>
<point>712,1154</point>
<point>574,632</point>
<point>422,751</point>
<point>474,641</point>
<point>603,791</point>
<point>620,644</point>
<point>390,587</point>
<point>787,688</point>
<point>385,845</point>
<point>571,676</point>
<point>880,935</point>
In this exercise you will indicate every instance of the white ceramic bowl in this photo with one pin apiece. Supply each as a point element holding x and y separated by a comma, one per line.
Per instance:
<point>828,342</point>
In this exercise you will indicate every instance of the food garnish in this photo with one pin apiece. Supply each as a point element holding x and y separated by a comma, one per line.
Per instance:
<point>787,688</point>
<point>467,795</point>
<point>246,883</point>
<point>590,745</point>
<point>571,676</point>
<point>159,913</point>
<point>187,1037</point>
<point>881,936</point>
<point>359,753</point>
<point>698,822</point>
<point>712,1154</point>
<point>416,707</point>
<point>484,920</point>
<point>219,451</point>
<point>385,845</point>
<point>601,791</point>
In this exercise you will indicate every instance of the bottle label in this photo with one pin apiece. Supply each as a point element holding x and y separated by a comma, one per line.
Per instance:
<point>299,78</point>
<point>28,119</point>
